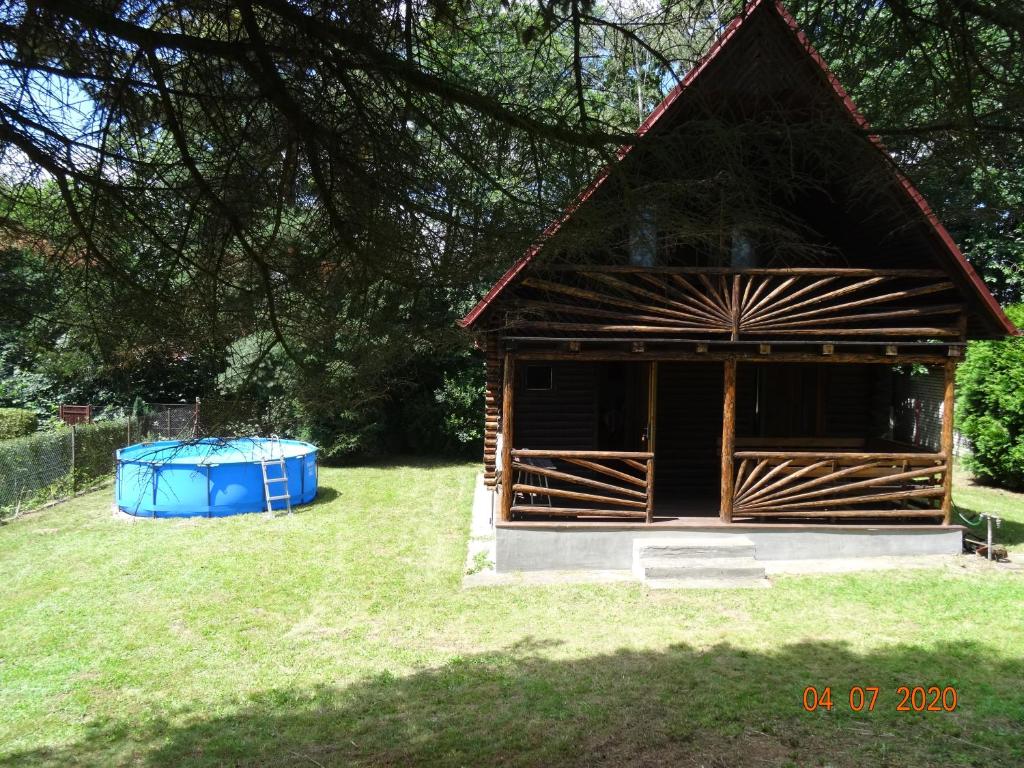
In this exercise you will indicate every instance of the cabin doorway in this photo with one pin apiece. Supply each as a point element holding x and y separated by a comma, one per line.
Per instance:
<point>687,463</point>
<point>622,406</point>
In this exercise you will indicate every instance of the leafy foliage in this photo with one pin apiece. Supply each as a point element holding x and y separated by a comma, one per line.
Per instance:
<point>990,407</point>
<point>427,402</point>
<point>43,466</point>
<point>444,416</point>
<point>35,468</point>
<point>17,422</point>
<point>95,446</point>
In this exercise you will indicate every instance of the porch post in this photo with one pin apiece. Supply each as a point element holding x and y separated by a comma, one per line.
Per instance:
<point>652,421</point>
<point>947,441</point>
<point>728,439</point>
<point>507,388</point>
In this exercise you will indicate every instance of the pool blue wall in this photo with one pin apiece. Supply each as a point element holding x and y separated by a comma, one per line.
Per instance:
<point>206,488</point>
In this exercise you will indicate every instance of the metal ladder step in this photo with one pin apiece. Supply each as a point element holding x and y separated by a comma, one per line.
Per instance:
<point>278,461</point>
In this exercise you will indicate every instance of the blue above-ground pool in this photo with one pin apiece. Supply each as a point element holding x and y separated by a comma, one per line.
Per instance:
<point>211,477</point>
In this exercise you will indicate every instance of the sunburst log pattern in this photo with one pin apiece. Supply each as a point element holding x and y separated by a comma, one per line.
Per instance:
<point>735,304</point>
<point>803,484</point>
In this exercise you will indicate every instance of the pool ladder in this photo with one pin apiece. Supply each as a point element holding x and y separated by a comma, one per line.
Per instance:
<point>268,480</point>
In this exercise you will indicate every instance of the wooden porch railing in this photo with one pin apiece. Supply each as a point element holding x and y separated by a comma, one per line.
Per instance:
<point>838,485</point>
<point>617,484</point>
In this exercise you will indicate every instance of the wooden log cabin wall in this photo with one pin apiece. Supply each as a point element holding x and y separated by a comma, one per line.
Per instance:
<point>648,382</point>
<point>490,348</point>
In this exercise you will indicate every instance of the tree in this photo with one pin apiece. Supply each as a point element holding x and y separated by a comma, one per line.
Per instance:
<point>338,181</point>
<point>990,407</point>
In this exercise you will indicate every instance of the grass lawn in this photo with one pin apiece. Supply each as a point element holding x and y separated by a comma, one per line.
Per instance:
<point>341,636</point>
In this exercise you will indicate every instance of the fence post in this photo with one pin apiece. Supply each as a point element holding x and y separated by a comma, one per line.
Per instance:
<point>129,430</point>
<point>74,479</point>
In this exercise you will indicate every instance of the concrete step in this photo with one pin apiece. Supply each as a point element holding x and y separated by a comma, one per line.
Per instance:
<point>728,568</point>
<point>693,547</point>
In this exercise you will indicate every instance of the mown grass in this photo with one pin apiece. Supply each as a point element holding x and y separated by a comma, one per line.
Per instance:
<point>341,636</point>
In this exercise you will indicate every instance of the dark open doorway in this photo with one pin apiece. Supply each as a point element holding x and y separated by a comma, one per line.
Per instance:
<point>689,427</point>
<point>622,406</point>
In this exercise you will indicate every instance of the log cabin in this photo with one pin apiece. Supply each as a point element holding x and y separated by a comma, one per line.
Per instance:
<point>750,321</point>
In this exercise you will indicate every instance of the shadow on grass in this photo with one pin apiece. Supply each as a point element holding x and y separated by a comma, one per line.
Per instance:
<point>325,494</point>
<point>683,706</point>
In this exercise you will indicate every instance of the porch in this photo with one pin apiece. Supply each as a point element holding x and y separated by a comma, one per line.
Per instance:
<point>676,443</point>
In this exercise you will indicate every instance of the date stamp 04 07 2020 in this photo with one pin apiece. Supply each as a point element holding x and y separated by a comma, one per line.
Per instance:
<point>864,698</point>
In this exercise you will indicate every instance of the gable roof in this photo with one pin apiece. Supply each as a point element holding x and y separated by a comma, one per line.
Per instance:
<point>971,283</point>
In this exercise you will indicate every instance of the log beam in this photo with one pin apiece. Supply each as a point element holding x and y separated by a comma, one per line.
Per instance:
<point>507,389</point>
<point>652,422</point>
<point>946,444</point>
<point>778,271</point>
<point>554,474</point>
<point>714,355</point>
<point>728,439</point>
<point>576,512</point>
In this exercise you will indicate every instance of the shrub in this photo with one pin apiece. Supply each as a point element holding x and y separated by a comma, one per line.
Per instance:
<point>17,422</point>
<point>95,445</point>
<point>990,408</point>
<point>448,417</point>
<point>37,468</point>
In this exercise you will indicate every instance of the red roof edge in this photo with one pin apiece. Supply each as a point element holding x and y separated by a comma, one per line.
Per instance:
<point>965,268</point>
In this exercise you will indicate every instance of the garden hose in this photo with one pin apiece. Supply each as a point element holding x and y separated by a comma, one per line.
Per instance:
<point>971,523</point>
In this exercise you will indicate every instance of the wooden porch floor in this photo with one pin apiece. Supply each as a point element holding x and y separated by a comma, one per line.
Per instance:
<point>669,507</point>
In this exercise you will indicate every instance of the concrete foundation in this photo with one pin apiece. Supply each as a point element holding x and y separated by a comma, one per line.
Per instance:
<point>548,547</point>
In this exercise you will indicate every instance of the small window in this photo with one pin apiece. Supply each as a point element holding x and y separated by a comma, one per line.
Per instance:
<point>742,254</point>
<point>643,239</point>
<point>538,377</point>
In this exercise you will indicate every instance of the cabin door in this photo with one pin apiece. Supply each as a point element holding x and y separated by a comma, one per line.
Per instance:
<point>687,459</point>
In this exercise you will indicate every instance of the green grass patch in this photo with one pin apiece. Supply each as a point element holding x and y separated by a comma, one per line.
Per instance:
<point>341,635</point>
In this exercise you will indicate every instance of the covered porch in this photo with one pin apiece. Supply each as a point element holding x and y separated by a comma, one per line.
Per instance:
<point>723,434</point>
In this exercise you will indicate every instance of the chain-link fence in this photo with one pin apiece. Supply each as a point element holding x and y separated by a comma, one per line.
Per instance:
<point>168,421</point>
<point>56,464</point>
<point>203,418</point>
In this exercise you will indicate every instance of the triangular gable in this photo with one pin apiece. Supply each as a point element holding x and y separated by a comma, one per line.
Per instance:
<point>947,248</point>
